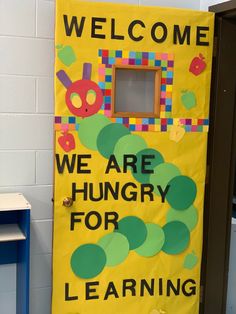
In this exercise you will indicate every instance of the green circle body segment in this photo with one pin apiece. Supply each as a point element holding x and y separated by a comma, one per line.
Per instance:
<point>116,247</point>
<point>177,237</point>
<point>154,241</point>
<point>182,192</point>
<point>144,156</point>
<point>128,145</point>
<point>89,129</point>
<point>188,216</point>
<point>108,137</point>
<point>190,260</point>
<point>134,229</point>
<point>88,260</point>
<point>163,173</point>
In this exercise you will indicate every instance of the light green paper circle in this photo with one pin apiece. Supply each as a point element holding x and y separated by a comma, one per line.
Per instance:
<point>154,241</point>
<point>157,160</point>
<point>89,129</point>
<point>163,173</point>
<point>116,247</point>
<point>190,261</point>
<point>128,145</point>
<point>189,216</point>
<point>177,237</point>
<point>182,192</point>
<point>88,260</point>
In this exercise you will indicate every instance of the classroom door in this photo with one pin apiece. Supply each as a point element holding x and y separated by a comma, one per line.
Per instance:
<point>131,131</point>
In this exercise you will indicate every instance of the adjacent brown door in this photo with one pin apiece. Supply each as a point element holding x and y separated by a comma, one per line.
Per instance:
<point>221,161</point>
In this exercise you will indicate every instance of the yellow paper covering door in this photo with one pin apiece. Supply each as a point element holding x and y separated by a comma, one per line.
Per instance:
<point>129,190</point>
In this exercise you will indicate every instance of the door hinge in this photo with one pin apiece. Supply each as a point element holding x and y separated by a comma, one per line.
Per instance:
<point>201,294</point>
<point>215,46</point>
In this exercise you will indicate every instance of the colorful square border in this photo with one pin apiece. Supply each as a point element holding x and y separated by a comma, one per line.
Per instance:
<point>107,58</point>
<point>66,124</point>
<point>163,124</point>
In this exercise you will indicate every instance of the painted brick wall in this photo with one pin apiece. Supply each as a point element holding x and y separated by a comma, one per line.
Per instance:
<point>26,131</point>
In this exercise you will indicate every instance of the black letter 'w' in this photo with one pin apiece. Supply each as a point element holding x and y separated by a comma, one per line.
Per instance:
<point>74,24</point>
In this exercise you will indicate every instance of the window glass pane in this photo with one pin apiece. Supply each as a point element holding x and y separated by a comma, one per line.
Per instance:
<point>134,91</point>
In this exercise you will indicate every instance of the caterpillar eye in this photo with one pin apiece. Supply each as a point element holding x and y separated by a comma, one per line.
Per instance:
<point>91,97</point>
<point>76,100</point>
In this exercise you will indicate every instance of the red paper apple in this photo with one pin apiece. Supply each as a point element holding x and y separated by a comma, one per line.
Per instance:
<point>197,65</point>
<point>67,141</point>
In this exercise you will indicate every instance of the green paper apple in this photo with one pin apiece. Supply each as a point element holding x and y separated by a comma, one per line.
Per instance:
<point>188,99</point>
<point>190,260</point>
<point>66,54</point>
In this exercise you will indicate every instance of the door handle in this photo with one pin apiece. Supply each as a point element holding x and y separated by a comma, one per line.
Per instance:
<point>67,202</point>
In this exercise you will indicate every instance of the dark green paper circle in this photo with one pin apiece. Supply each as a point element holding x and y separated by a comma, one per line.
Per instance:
<point>134,229</point>
<point>158,159</point>
<point>88,260</point>
<point>108,137</point>
<point>182,192</point>
<point>177,237</point>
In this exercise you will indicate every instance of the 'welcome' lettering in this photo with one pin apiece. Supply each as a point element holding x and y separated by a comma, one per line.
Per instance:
<point>136,30</point>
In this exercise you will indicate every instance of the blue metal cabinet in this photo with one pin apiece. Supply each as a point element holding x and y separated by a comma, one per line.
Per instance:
<point>231,301</point>
<point>15,243</point>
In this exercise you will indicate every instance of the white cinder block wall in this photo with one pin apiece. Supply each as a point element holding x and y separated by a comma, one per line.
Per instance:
<point>26,130</point>
<point>26,135</point>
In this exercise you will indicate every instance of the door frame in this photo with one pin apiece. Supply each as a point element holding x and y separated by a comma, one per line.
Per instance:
<point>221,163</point>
